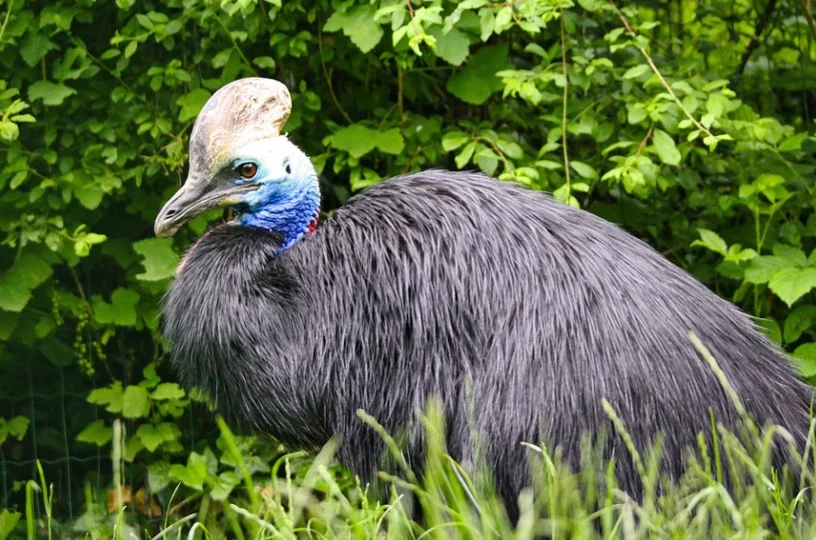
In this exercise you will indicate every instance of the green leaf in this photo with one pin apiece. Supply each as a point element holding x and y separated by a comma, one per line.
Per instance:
<point>25,275</point>
<point>356,139</point>
<point>453,140</point>
<point>806,355</point>
<point>167,391</point>
<point>802,318</point>
<point>96,433</point>
<point>635,72</point>
<point>110,397</point>
<point>465,155</point>
<point>89,194</point>
<point>665,147</point>
<point>791,284</point>
<point>452,47</point>
<point>390,141</point>
<point>510,149</point>
<point>121,311</point>
<point>8,522</point>
<point>35,46</point>
<point>763,268</point>
<point>154,436</point>
<point>793,143</point>
<point>358,25</point>
<point>583,170</point>
<point>192,475</point>
<point>192,103</point>
<point>224,484</point>
<point>135,402</point>
<point>712,241</point>
<point>478,80</point>
<point>158,258</point>
<point>49,93</point>
<point>792,255</point>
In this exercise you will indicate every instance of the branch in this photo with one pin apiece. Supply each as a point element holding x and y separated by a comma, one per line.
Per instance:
<point>659,75</point>
<point>761,23</point>
<point>807,9</point>
<point>564,102</point>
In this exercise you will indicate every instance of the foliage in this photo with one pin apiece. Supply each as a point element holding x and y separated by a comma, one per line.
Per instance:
<point>653,117</point>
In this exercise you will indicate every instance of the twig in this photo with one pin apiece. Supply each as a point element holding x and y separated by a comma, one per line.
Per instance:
<point>328,77</point>
<point>6,20</point>
<point>400,90</point>
<point>640,147</point>
<point>807,9</point>
<point>235,43</point>
<point>660,75</point>
<point>761,23</point>
<point>110,72</point>
<point>564,102</point>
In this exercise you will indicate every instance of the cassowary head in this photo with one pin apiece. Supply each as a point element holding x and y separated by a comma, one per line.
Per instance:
<point>239,158</point>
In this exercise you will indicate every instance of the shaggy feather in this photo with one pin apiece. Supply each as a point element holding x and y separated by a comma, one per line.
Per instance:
<point>427,281</point>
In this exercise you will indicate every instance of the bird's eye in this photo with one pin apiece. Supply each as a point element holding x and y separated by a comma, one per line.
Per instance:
<point>287,167</point>
<point>247,170</point>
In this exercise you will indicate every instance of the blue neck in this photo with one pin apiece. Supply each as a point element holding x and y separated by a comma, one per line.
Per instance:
<point>289,208</point>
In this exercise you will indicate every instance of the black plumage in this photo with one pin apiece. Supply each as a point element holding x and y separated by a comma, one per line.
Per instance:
<point>427,281</point>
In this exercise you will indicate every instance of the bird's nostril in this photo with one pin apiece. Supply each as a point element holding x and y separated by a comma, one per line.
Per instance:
<point>170,212</point>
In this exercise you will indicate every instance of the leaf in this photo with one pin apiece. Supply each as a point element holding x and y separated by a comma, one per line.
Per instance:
<point>110,396</point>
<point>356,139</point>
<point>665,147</point>
<point>453,140</point>
<point>8,522</point>
<point>465,155</point>
<point>167,391</point>
<point>193,474</point>
<point>158,258</point>
<point>96,433</point>
<point>792,255</point>
<point>154,436</point>
<point>224,484</point>
<point>192,103</point>
<point>800,319</point>
<point>25,275</point>
<point>583,170</point>
<point>121,311</point>
<point>358,25</point>
<point>135,402</point>
<point>763,268</point>
<point>510,149</point>
<point>390,142</point>
<point>452,47</point>
<point>635,72</point>
<point>791,284</point>
<point>89,194</point>
<point>35,46</point>
<point>17,427</point>
<point>49,93</point>
<point>806,355</point>
<point>793,143</point>
<point>477,80</point>
<point>712,241</point>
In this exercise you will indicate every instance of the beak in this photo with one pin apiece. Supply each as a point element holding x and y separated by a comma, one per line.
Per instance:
<point>193,199</point>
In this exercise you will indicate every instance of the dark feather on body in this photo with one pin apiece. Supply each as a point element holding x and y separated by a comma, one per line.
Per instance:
<point>427,281</point>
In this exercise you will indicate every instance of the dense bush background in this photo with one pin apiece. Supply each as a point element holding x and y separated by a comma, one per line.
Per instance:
<point>710,158</point>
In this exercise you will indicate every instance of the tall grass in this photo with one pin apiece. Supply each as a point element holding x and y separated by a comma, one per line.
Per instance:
<point>456,502</point>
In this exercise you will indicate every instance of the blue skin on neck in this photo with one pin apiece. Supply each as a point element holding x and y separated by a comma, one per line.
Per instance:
<point>287,207</point>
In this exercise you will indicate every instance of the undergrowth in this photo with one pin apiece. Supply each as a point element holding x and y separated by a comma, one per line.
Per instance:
<point>451,501</point>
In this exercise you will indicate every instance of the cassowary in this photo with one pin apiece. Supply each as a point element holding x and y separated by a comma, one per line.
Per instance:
<point>519,313</point>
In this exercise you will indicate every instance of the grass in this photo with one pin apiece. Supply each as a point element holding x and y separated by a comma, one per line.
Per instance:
<point>312,501</point>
